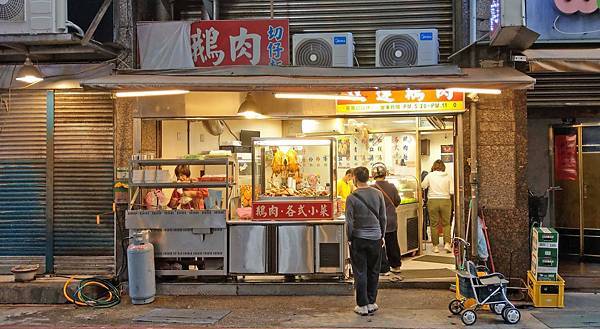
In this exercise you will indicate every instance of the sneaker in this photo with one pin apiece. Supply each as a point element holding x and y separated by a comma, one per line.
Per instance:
<point>396,269</point>
<point>436,249</point>
<point>361,310</point>
<point>396,278</point>
<point>388,273</point>
<point>448,247</point>
<point>372,308</point>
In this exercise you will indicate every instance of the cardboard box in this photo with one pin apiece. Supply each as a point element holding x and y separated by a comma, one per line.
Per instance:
<point>545,252</point>
<point>544,237</point>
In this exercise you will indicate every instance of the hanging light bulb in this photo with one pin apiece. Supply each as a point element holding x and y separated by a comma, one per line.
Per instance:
<point>249,108</point>
<point>29,73</point>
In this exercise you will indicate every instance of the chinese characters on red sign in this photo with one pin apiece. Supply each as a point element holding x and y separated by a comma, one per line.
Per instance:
<point>240,42</point>
<point>292,210</point>
<point>403,100</point>
<point>565,157</point>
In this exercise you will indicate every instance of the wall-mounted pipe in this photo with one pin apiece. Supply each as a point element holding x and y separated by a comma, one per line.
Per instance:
<point>474,177</point>
<point>75,27</point>
<point>216,13</point>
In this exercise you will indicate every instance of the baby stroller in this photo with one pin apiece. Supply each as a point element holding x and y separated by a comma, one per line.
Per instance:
<point>488,290</point>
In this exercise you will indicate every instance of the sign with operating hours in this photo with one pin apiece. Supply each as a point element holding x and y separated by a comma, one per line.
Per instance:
<point>297,210</point>
<point>408,100</point>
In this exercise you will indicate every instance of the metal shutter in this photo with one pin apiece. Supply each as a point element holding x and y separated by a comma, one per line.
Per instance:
<point>360,17</point>
<point>564,89</point>
<point>22,179</point>
<point>83,178</point>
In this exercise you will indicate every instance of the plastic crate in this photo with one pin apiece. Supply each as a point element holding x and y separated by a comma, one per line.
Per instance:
<point>546,293</point>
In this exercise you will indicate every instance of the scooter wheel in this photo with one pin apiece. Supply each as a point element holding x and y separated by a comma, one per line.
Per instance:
<point>455,307</point>
<point>511,315</point>
<point>498,308</point>
<point>469,317</point>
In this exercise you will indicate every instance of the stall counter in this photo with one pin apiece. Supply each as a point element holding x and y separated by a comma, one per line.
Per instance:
<point>287,247</point>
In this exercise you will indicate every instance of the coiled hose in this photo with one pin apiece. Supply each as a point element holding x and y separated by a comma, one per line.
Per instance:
<point>109,298</point>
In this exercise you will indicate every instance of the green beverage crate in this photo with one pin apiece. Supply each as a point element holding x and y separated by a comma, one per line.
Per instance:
<point>545,261</point>
<point>544,237</point>
<point>545,252</point>
<point>546,276</point>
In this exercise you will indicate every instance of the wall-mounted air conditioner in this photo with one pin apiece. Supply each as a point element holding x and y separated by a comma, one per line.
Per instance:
<point>33,16</point>
<point>406,47</point>
<point>323,49</point>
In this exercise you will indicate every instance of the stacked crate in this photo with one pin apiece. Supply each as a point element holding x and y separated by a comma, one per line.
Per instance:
<point>544,254</point>
<point>545,287</point>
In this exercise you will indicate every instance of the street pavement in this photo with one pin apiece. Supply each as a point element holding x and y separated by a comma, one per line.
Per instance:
<point>400,308</point>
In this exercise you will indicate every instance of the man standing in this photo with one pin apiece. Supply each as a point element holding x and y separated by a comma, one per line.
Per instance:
<point>345,186</point>
<point>392,201</point>
<point>366,221</point>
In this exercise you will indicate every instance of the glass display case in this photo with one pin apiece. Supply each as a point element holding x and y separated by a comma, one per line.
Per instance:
<point>293,178</point>
<point>407,187</point>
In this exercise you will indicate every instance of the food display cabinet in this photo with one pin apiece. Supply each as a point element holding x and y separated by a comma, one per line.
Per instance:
<point>407,213</point>
<point>293,179</point>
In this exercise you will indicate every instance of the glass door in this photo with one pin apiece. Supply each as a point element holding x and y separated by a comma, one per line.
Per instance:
<point>576,163</point>
<point>591,191</point>
<point>567,202</point>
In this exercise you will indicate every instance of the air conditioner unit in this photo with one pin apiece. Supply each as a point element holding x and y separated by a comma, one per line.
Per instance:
<point>323,49</point>
<point>33,16</point>
<point>406,47</point>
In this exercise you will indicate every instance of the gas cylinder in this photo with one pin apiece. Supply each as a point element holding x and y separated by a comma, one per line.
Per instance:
<point>140,267</point>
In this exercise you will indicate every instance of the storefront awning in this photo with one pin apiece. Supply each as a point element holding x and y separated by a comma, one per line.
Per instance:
<point>313,79</point>
<point>563,60</point>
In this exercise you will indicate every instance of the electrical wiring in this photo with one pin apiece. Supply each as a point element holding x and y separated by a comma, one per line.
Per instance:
<point>109,298</point>
<point>230,131</point>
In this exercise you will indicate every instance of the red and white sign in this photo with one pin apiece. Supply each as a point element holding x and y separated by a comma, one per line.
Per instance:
<point>240,42</point>
<point>565,157</point>
<point>300,210</point>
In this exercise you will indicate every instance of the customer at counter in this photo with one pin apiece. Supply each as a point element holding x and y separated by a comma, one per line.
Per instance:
<point>365,229</point>
<point>345,186</point>
<point>187,198</point>
<point>439,203</point>
<point>392,201</point>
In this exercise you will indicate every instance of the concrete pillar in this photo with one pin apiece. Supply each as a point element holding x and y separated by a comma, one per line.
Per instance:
<point>502,150</point>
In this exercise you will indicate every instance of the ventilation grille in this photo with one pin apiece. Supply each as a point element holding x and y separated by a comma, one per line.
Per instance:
<point>314,52</point>
<point>12,10</point>
<point>398,51</point>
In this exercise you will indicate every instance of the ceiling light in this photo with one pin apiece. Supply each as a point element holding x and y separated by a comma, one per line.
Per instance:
<point>476,91</point>
<point>29,73</point>
<point>321,96</point>
<point>403,122</point>
<point>249,108</point>
<point>151,93</point>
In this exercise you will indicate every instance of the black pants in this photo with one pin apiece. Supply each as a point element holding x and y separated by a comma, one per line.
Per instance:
<point>392,249</point>
<point>366,261</point>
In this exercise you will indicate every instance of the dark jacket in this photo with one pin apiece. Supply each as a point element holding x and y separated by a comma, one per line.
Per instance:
<point>391,204</point>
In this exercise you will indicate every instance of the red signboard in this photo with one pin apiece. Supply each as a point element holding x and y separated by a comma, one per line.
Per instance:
<point>299,210</point>
<point>403,100</point>
<point>565,157</point>
<point>240,42</point>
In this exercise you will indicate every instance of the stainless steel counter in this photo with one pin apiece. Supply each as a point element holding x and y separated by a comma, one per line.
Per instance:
<point>408,227</point>
<point>286,247</point>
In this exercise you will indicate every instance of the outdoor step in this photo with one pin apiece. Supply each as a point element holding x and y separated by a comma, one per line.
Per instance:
<point>40,291</point>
